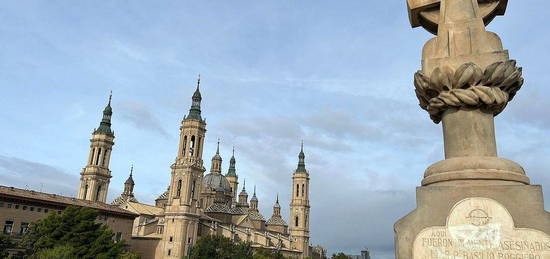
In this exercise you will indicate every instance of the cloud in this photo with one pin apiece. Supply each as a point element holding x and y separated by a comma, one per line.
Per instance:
<point>26,174</point>
<point>140,116</point>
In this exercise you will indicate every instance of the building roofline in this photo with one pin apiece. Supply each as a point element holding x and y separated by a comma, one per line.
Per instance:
<point>61,201</point>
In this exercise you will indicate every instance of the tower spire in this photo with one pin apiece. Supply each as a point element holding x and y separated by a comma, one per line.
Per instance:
<point>231,172</point>
<point>105,124</point>
<point>198,82</point>
<point>216,167</point>
<point>195,111</point>
<point>301,160</point>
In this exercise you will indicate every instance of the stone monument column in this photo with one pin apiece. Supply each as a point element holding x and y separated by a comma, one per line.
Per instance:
<point>472,204</point>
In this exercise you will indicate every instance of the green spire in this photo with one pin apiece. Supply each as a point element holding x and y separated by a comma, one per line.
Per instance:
<point>231,172</point>
<point>105,124</point>
<point>195,111</point>
<point>301,161</point>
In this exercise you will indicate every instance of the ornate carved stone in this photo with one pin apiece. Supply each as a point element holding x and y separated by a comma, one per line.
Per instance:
<point>468,87</point>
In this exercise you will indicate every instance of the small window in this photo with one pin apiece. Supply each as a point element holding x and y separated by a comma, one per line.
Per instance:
<point>184,145</point>
<point>24,228</point>
<point>118,236</point>
<point>97,157</point>
<point>31,208</point>
<point>297,190</point>
<point>45,210</point>
<point>8,226</point>
<point>10,205</point>
<point>171,239</point>
<point>1,204</point>
<point>38,209</point>
<point>189,240</point>
<point>178,190</point>
<point>16,206</point>
<point>296,221</point>
<point>24,207</point>
<point>169,252</point>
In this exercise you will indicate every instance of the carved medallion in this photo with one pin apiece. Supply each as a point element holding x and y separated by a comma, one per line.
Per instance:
<point>480,228</point>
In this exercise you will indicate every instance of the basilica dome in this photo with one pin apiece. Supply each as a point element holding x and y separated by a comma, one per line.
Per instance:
<point>215,181</point>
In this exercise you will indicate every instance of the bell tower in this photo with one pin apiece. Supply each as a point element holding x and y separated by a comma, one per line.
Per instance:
<point>299,206</point>
<point>182,209</point>
<point>233,178</point>
<point>95,177</point>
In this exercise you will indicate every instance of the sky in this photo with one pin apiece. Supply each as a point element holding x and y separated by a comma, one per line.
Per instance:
<point>335,74</point>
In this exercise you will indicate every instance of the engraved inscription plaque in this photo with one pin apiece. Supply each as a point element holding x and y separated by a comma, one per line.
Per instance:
<point>480,228</point>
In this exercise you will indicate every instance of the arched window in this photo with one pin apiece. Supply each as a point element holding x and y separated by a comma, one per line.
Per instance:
<point>296,221</point>
<point>85,191</point>
<point>97,157</point>
<point>297,190</point>
<point>193,190</point>
<point>303,190</point>
<point>191,146</point>
<point>178,190</point>
<point>199,146</point>
<point>104,157</point>
<point>184,145</point>
<point>98,192</point>
<point>91,160</point>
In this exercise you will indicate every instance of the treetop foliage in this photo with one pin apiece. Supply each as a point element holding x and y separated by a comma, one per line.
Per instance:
<point>72,233</point>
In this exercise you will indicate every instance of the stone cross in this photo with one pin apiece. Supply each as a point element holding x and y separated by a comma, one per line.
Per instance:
<point>426,13</point>
<point>466,79</point>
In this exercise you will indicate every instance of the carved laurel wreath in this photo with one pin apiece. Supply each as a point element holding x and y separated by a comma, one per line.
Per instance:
<point>468,87</point>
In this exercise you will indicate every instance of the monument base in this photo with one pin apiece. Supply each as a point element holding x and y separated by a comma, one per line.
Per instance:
<point>485,222</point>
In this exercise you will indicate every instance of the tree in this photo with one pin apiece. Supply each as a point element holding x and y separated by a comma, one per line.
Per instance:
<point>220,247</point>
<point>340,256</point>
<point>58,252</point>
<point>6,243</point>
<point>262,253</point>
<point>75,228</point>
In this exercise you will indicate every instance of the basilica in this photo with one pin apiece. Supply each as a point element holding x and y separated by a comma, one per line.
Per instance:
<point>197,203</point>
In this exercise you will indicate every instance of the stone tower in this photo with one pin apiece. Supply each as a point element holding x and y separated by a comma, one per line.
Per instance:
<point>129,184</point>
<point>243,197</point>
<point>216,167</point>
<point>182,209</point>
<point>299,206</point>
<point>128,193</point>
<point>233,178</point>
<point>95,177</point>
<point>254,200</point>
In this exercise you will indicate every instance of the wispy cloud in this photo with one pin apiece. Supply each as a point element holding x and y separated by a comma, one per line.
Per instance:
<point>139,115</point>
<point>27,174</point>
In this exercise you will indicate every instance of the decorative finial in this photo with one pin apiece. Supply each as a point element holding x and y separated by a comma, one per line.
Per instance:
<point>244,184</point>
<point>131,169</point>
<point>110,97</point>
<point>254,190</point>
<point>233,150</point>
<point>277,198</point>
<point>198,81</point>
<point>218,148</point>
<point>302,146</point>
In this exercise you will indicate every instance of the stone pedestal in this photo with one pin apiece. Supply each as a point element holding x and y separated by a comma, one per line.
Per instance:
<point>501,221</point>
<point>473,204</point>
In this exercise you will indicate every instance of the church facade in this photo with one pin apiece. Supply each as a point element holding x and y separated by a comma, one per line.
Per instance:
<point>197,203</point>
